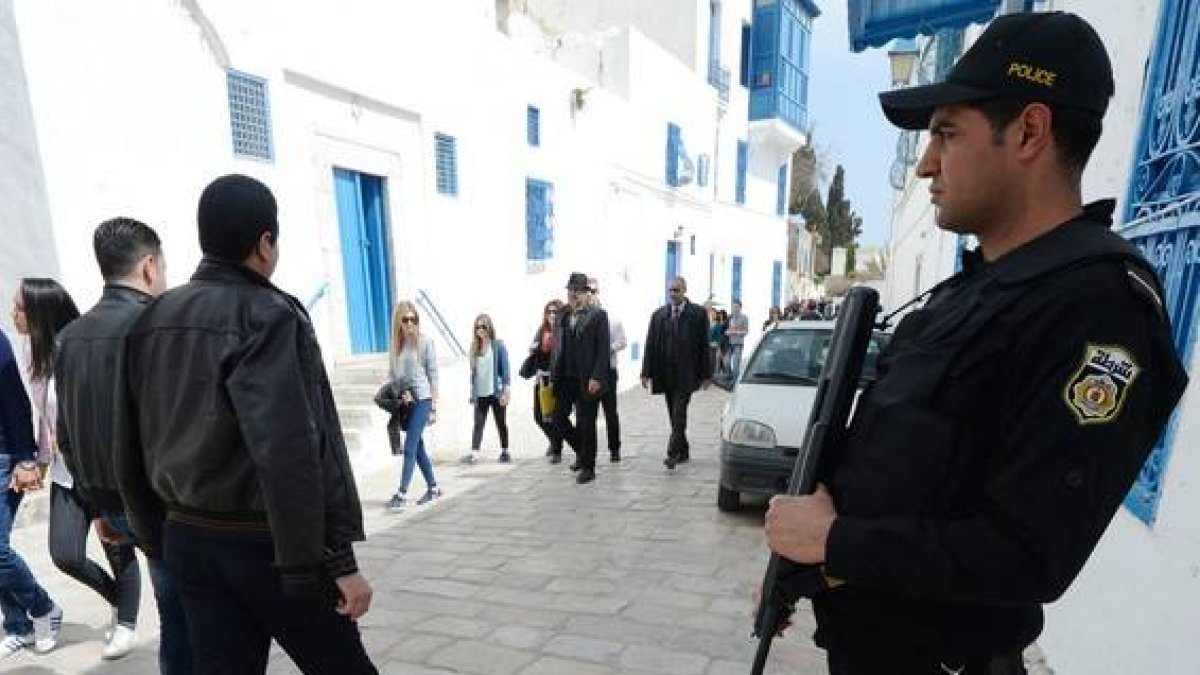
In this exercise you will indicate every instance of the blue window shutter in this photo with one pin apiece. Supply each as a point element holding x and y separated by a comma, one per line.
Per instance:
<point>776,283</point>
<point>533,124</point>
<point>781,197</point>
<point>249,116</point>
<point>740,187</point>
<point>744,66</point>
<point>673,145</point>
<point>446,151</point>
<point>539,220</point>
<point>735,293</point>
<point>714,33</point>
<point>702,170</point>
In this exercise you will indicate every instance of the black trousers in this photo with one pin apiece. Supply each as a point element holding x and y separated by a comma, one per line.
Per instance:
<point>885,663</point>
<point>69,525</point>
<point>547,426</point>
<point>568,395</point>
<point>612,421</point>
<point>482,405</point>
<point>677,405</point>
<point>234,608</point>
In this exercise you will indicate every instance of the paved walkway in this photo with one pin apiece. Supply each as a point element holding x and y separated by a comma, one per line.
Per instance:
<point>520,571</point>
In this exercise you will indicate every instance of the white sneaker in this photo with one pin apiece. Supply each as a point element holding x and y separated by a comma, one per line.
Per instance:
<point>121,643</point>
<point>14,644</point>
<point>46,629</point>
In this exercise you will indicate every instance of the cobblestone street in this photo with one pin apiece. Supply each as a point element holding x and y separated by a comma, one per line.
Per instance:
<point>521,571</point>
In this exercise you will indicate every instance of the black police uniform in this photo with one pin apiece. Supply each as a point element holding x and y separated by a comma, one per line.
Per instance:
<point>1013,414</point>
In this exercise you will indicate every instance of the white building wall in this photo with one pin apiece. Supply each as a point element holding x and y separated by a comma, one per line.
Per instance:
<point>365,85</point>
<point>1136,606</point>
<point>28,249</point>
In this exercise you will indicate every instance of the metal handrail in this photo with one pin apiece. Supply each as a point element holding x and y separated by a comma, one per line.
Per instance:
<point>440,322</point>
<point>321,292</point>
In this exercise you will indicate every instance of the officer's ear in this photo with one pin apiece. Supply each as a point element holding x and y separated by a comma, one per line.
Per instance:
<point>1034,130</point>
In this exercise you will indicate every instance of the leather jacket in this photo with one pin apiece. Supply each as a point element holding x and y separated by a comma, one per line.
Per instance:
<point>227,421</point>
<point>84,369</point>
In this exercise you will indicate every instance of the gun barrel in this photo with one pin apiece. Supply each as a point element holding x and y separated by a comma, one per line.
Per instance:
<point>829,416</point>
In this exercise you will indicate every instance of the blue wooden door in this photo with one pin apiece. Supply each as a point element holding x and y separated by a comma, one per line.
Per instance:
<point>672,265</point>
<point>735,291</point>
<point>366,258</point>
<point>1163,204</point>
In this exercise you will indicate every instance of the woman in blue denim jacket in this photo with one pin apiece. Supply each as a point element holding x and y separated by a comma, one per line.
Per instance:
<point>490,380</point>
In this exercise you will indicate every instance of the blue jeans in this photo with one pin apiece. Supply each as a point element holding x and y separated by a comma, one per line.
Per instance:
<point>414,447</point>
<point>735,359</point>
<point>174,650</point>
<point>20,595</point>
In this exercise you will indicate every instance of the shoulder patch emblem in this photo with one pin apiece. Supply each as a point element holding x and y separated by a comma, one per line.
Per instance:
<point>1099,387</point>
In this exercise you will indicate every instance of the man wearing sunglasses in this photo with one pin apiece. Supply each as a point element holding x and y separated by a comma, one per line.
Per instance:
<point>580,371</point>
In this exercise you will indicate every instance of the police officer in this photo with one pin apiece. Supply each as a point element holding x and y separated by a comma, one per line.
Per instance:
<point>1016,408</point>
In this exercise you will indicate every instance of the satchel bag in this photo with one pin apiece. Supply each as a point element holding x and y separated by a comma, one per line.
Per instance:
<point>546,399</point>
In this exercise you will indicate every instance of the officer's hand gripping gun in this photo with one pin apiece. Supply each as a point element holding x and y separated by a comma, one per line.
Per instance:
<point>785,580</point>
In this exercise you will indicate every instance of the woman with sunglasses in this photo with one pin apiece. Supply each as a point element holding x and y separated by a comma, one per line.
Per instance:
<point>540,351</point>
<point>41,309</point>
<point>413,371</point>
<point>489,386</point>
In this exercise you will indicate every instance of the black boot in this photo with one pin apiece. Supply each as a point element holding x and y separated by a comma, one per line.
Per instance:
<point>585,476</point>
<point>556,458</point>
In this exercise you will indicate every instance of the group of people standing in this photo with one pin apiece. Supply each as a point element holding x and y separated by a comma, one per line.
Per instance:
<point>169,420</point>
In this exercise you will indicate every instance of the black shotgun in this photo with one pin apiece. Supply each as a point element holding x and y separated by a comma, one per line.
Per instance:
<point>826,429</point>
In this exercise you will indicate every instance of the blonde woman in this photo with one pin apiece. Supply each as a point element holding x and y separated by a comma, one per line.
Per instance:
<point>413,371</point>
<point>490,380</point>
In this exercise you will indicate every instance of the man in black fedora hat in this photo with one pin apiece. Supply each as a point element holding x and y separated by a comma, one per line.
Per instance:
<point>970,492</point>
<point>580,373</point>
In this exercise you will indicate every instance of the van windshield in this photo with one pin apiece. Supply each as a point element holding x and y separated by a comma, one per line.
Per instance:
<point>797,356</point>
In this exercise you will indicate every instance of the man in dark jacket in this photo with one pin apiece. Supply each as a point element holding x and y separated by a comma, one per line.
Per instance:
<point>677,362</point>
<point>579,372</point>
<point>129,254</point>
<point>231,456</point>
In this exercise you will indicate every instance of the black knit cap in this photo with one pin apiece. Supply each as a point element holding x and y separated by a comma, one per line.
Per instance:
<point>1045,57</point>
<point>234,212</point>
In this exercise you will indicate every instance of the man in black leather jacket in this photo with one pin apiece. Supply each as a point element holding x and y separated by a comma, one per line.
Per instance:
<point>231,456</point>
<point>130,257</point>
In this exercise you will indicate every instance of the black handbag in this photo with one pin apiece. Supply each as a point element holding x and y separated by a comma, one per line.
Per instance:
<point>391,400</point>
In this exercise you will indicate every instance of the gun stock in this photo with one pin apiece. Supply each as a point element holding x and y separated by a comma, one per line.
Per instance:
<point>826,425</point>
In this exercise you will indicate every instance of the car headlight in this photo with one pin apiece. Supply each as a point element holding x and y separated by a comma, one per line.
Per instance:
<point>753,434</point>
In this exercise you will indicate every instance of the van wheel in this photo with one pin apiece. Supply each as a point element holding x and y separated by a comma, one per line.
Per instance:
<point>728,500</point>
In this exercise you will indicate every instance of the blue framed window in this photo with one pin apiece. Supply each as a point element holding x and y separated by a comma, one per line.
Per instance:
<point>533,126</point>
<point>782,190</point>
<point>249,116</point>
<point>1162,211</point>
<point>735,290</point>
<point>782,34</point>
<point>539,219</point>
<point>674,147</point>
<point>777,283</point>
<point>714,33</point>
<point>744,66</point>
<point>446,153</point>
<point>702,169</point>
<point>742,160</point>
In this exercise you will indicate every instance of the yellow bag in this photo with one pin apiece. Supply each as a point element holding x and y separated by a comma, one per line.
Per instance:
<point>546,400</point>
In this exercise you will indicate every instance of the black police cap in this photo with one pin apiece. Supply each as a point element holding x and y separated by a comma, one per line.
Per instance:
<point>1046,57</point>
